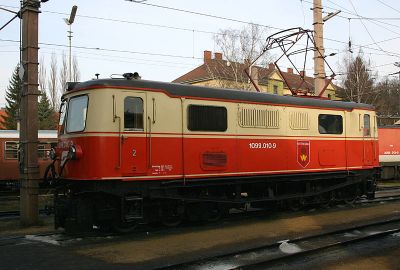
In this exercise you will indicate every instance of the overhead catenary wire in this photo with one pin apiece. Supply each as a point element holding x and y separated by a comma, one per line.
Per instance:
<point>344,10</point>
<point>366,29</point>
<point>383,3</point>
<point>204,14</point>
<point>196,30</point>
<point>393,54</point>
<point>111,50</point>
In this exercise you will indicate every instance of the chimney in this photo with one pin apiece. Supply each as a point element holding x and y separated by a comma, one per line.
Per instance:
<point>218,56</point>
<point>207,56</point>
<point>290,70</point>
<point>254,75</point>
<point>302,73</point>
<point>271,66</point>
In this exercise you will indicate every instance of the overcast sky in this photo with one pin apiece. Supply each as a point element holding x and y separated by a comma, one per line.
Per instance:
<point>114,37</point>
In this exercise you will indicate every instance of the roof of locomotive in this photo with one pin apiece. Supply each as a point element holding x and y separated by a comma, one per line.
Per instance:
<point>14,134</point>
<point>186,90</point>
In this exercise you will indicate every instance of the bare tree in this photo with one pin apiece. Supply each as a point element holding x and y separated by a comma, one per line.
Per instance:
<point>358,83</point>
<point>388,102</point>
<point>63,78</point>
<point>239,48</point>
<point>42,75</point>
<point>52,83</point>
<point>76,75</point>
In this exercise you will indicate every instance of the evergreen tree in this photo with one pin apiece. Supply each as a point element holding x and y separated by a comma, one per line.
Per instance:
<point>13,99</point>
<point>47,119</point>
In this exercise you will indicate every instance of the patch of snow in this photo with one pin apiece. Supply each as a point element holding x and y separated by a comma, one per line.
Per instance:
<point>49,239</point>
<point>289,248</point>
<point>396,234</point>
<point>349,235</point>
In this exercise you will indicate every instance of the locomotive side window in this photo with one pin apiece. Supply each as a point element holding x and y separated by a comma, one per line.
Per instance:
<point>330,124</point>
<point>11,150</point>
<point>76,117</point>
<point>207,118</point>
<point>133,113</point>
<point>367,125</point>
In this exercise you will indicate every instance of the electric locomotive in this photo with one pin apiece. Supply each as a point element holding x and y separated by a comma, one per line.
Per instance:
<point>133,151</point>
<point>389,151</point>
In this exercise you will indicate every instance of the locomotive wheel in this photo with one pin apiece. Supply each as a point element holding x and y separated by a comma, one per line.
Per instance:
<point>172,214</point>
<point>215,212</point>
<point>351,196</point>
<point>295,204</point>
<point>325,200</point>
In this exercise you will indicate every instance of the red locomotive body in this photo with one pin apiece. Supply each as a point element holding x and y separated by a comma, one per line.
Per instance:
<point>389,151</point>
<point>9,141</point>
<point>127,146</point>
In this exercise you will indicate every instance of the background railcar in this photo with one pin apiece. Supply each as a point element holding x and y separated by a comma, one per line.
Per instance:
<point>389,151</point>
<point>9,145</point>
<point>132,149</point>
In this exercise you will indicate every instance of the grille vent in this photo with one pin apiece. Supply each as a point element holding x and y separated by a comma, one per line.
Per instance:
<point>256,118</point>
<point>299,120</point>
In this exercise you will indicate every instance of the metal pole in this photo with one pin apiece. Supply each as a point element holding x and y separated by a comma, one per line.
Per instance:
<point>29,170</point>
<point>70,45</point>
<point>319,64</point>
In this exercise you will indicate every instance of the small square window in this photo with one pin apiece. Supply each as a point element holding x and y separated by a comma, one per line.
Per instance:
<point>133,113</point>
<point>330,124</point>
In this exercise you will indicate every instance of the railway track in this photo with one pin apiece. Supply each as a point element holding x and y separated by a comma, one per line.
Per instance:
<point>17,197</point>
<point>273,254</point>
<point>16,213</point>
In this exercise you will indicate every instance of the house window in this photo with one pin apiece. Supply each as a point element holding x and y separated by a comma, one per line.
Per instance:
<point>275,89</point>
<point>207,118</point>
<point>11,150</point>
<point>367,125</point>
<point>330,124</point>
<point>133,113</point>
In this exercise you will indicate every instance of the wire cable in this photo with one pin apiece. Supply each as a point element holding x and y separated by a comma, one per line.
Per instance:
<point>366,29</point>
<point>203,14</point>
<point>383,3</point>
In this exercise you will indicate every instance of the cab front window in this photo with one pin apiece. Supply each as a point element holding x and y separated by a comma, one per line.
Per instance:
<point>76,116</point>
<point>63,111</point>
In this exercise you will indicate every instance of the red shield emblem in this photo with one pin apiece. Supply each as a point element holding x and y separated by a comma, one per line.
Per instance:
<point>303,153</point>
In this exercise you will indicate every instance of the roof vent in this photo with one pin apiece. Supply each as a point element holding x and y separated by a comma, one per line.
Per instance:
<point>131,76</point>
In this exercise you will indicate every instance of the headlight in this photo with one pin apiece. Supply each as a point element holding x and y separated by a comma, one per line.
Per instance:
<point>72,152</point>
<point>75,152</point>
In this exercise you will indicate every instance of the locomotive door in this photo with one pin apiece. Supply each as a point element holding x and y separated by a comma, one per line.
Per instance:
<point>368,143</point>
<point>134,136</point>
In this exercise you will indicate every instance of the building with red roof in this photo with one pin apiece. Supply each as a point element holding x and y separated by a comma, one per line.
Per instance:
<point>217,72</point>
